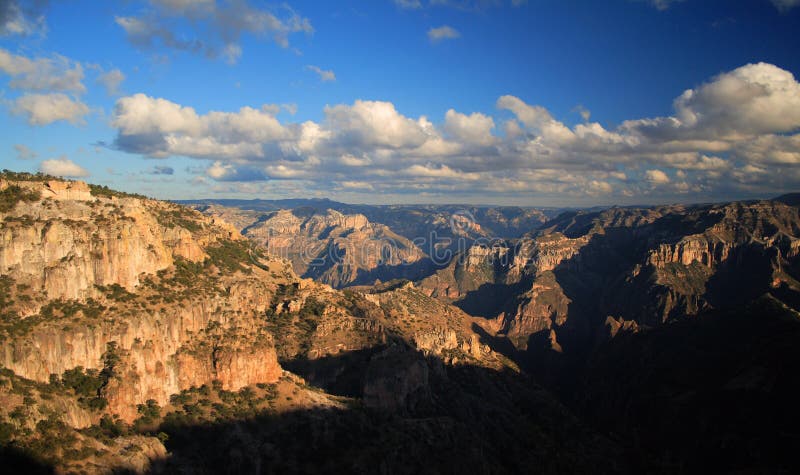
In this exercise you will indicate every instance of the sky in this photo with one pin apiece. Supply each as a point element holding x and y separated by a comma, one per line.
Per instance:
<point>537,102</point>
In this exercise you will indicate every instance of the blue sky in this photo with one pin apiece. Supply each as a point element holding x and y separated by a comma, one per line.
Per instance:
<point>479,101</point>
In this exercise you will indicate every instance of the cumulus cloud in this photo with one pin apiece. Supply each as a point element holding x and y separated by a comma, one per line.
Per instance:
<point>356,185</point>
<point>723,133</point>
<point>63,167</point>
<point>475,128</point>
<point>227,172</point>
<point>215,27</point>
<point>324,75</point>
<point>42,74</point>
<point>751,100</point>
<point>49,88</point>
<point>22,17</point>
<point>656,177</point>
<point>111,80</point>
<point>443,32</point>
<point>160,128</point>
<point>44,109</point>
<point>370,124</point>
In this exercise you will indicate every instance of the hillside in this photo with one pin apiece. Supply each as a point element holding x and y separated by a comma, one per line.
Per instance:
<point>328,246</point>
<point>141,335</point>
<point>649,321</point>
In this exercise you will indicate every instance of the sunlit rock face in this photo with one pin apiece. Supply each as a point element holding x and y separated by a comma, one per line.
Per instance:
<point>640,265</point>
<point>334,248</point>
<point>89,270</point>
<point>71,241</point>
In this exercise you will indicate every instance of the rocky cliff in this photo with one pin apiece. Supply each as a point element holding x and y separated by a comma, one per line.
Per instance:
<point>641,265</point>
<point>329,246</point>
<point>87,271</point>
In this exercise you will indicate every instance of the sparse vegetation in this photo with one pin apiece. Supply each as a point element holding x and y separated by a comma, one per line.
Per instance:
<point>25,176</point>
<point>179,216</point>
<point>116,292</point>
<point>87,385</point>
<point>103,191</point>
<point>14,194</point>
<point>229,255</point>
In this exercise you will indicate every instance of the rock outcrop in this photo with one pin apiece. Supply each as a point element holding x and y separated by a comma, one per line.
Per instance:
<point>397,381</point>
<point>177,297</point>
<point>329,246</point>
<point>645,266</point>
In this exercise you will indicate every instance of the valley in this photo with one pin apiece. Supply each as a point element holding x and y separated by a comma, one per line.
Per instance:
<point>146,336</point>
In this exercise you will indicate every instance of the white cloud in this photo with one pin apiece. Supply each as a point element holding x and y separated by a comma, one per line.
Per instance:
<point>598,187</point>
<point>656,177</point>
<point>751,100</point>
<point>785,5</point>
<point>373,124</point>
<point>720,130</point>
<point>324,75</point>
<point>585,113</point>
<point>160,128</point>
<point>111,81</point>
<point>662,4</point>
<point>23,152</point>
<point>475,5</point>
<point>408,4</point>
<point>22,17</point>
<point>44,109</point>
<point>356,185</point>
<point>63,167</point>
<point>475,128</point>
<point>215,28</point>
<point>42,74</point>
<point>537,119</point>
<point>352,161</point>
<point>443,32</point>
<point>442,171</point>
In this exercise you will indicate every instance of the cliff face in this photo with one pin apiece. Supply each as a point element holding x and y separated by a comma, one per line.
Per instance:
<point>331,247</point>
<point>84,271</point>
<point>640,265</point>
<point>71,241</point>
<point>123,317</point>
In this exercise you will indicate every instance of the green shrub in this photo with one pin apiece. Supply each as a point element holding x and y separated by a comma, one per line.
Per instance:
<point>106,192</point>
<point>87,385</point>
<point>230,255</point>
<point>182,217</point>
<point>14,194</point>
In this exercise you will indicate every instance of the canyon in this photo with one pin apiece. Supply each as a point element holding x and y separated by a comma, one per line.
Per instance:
<point>146,336</point>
